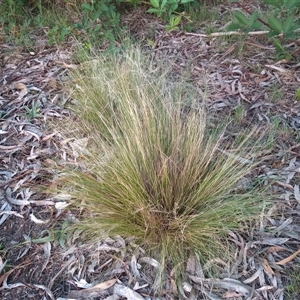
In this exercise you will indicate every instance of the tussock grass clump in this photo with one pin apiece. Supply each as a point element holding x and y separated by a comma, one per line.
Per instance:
<point>156,172</point>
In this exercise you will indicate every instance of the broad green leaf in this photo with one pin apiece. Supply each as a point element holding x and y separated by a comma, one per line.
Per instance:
<point>241,18</point>
<point>173,7</point>
<point>97,28</point>
<point>290,4</point>
<point>155,3</point>
<point>275,24</point>
<point>163,4</point>
<point>174,21</point>
<point>87,7</point>
<point>276,3</point>
<point>295,27</point>
<point>257,25</point>
<point>278,45</point>
<point>95,15</point>
<point>104,7</point>
<point>288,24</point>
<point>153,10</point>
<point>234,26</point>
<point>291,35</point>
<point>45,239</point>
<point>253,18</point>
<point>177,20</point>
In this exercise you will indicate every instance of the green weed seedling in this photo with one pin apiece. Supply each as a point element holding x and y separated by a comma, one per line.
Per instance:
<point>58,33</point>
<point>173,23</point>
<point>166,8</point>
<point>239,113</point>
<point>33,112</point>
<point>58,235</point>
<point>275,93</point>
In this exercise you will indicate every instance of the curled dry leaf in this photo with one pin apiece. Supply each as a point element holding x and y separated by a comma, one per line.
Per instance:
<point>34,219</point>
<point>112,297</point>
<point>174,287</point>
<point>232,294</point>
<point>297,193</point>
<point>19,86</point>
<point>275,249</point>
<point>41,202</point>
<point>83,284</point>
<point>6,207</point>
<point>289,258</point>
<point>47,254</point>
<point>47,290</point>
<point>187,287</point>
<point>137,286</point>
<point>226,283</point>
<point>273,241</point>
<point>12,285</point>
<point>2,264</point>
<point>151,261</point>
<point>254,276</point>
<point>134,266</point>
<point>11,213</point>
<point>126,292</point>
<point>4,277</point>
<point>267,267</point>
<point>94,291</point>
<point>209,294</point>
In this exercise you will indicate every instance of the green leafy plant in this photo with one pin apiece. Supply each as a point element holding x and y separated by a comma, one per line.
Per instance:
<point>244,23</point>
<point>57,235</point>
<point>281,51</point>
<point>155,172</point>
<point>165,8</point>
<point>100,20</point>
<point>20,18</point>
<point>33,112</point>
<point>286,4</point>
<point>282,23</point>
<point>58,33</point>
<point>276,26</point>
<point>173,23</point>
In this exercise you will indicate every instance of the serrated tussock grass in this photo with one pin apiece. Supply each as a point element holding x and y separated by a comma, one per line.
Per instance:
<point>156,172</point>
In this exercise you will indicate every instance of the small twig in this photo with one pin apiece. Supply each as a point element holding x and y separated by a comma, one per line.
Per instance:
<point>228,33</point>
<point>259,46</point>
